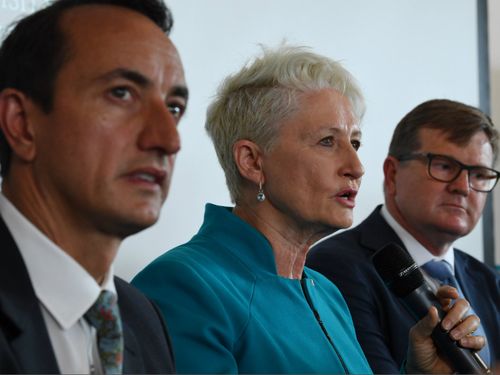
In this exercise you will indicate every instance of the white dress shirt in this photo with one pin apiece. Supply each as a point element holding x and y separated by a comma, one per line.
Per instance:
<point>65,291</point>
<point>417,251</point>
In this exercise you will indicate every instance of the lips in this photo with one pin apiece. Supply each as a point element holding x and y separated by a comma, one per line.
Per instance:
<point>145,177</point>
<point>148,175</point>
<point>347,197</point>
<point>455,206</point>
<point>348,194</point>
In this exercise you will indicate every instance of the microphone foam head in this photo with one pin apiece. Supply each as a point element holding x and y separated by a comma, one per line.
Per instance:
<point>398,269</point>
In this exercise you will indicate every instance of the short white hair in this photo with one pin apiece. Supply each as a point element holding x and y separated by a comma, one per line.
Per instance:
<point>252,103</point>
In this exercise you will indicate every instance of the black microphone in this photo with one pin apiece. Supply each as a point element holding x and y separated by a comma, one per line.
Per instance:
<point>400,274</point>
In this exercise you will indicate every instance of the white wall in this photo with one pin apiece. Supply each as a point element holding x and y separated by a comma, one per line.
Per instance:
<point>13,9</point>
<point>494,54</point>
<point>402,52</point>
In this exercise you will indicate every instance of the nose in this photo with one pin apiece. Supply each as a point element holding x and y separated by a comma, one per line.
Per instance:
<point>352,166</point>
<point>160,132</point>
<point>460,185</point>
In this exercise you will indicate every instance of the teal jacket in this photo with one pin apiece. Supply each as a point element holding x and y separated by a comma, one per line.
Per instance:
<point>228,311</point>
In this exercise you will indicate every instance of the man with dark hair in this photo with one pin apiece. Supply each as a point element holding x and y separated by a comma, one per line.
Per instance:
<point>437,177</point>
<point>91,93</point>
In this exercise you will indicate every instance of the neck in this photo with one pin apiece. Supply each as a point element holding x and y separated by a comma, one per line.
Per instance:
<point>94,251</point>
<point>290,246</point>
<point>436,242</point>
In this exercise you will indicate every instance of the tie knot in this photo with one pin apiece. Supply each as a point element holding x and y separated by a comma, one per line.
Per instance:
<point>104,315</point>
<point>104,311</point>
<point>440,270</point>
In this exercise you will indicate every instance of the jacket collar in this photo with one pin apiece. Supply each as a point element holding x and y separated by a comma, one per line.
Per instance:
<point>25,328</point>
<point>377,233</point>
<point>239,238</point>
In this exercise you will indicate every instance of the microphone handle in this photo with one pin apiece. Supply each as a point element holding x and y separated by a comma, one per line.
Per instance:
<point>464,361</point>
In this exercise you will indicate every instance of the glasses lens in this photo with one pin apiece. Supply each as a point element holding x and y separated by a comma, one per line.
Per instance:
<point>443,168</point>
<point>482,179</point>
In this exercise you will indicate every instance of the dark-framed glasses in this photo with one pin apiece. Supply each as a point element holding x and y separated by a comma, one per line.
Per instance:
<point>447,169</point>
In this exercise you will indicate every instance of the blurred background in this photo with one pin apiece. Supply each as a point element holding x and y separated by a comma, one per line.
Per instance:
<point>401,52</point>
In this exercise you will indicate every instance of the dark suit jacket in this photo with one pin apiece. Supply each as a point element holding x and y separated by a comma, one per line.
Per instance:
<point>25,345</point>
<point>381,321</point>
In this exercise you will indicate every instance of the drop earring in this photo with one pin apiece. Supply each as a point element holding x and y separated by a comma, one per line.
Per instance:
<point>261,197</point>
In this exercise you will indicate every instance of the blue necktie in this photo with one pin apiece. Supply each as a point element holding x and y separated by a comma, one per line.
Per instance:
<point>105,317</point>
<point>442,271</point>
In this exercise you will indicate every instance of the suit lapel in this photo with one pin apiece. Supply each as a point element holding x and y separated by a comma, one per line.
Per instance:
<point>25,328</point>
<point>469,282</point>
<point>132,359</point>
<point>473,287</point>
<point>376,233</point>
<point>132,362</point>
<point>465,279</point>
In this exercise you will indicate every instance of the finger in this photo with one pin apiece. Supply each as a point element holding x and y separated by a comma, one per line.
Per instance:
<point>472,342</point>
<point>424,327</point>
<point>465,327</point>
<point>446,304</point>
<point>446,294</point>
<point>455,314</point>
<point>422,356</point>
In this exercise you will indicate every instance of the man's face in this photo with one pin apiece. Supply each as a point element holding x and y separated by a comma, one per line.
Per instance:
<point>105,153</point>
<point>434,211</point>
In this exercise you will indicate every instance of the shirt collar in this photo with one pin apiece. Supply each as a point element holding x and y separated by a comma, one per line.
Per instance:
<point>61,284</point>
<point>418,252</point>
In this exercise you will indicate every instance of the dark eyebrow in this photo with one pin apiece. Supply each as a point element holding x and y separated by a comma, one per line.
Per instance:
<point>142,80</point>
<point>181,91</point>
<point>131,75</point>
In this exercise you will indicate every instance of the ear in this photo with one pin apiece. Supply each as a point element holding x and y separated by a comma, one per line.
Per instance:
<point>15,124</point>
<point>248,158</point>
<point>390,171</point>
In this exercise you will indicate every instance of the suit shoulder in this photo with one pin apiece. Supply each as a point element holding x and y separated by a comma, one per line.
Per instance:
<point>132,301</point>
<point>345,238</point>
<point>344,247</point>
<point>147,330</point>
<point>472,264</point>
<point>127,291</point>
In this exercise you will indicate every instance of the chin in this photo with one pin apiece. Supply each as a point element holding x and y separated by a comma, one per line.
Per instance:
<point>139,220</point>
<point>147,212</point>
<point>458,230</point>
<point>342,224</point>
<point>131,227</point>
<point>148,220</point>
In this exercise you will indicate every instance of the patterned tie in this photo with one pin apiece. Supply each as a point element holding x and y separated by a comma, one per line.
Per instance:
<point>442,271</point>
<point>105,317</point>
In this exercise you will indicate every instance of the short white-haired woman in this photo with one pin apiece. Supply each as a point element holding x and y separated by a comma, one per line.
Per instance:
<point>237,297</point>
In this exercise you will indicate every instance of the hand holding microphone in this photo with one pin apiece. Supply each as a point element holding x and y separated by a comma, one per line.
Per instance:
<point>422,354</point>
<point>429,340</point>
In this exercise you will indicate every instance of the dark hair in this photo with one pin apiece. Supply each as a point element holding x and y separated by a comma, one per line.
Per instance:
<point>36,48</point>
<point>460,122</point>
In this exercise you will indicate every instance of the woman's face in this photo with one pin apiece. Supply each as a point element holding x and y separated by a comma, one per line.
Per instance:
<point>313,172</point>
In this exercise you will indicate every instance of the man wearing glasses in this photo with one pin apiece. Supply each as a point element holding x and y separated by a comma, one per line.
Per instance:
<point>438,174</point>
